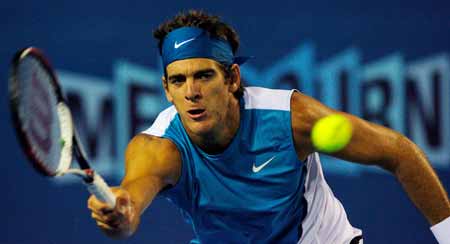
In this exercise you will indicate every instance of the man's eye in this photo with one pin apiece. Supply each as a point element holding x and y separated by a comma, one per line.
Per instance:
<point>176,81</point>
<point>205,76</point>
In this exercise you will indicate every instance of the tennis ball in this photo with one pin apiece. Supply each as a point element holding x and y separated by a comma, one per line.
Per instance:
<point>331,133</point>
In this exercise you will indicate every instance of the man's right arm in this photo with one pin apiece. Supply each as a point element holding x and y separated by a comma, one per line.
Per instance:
<point>151,164</point>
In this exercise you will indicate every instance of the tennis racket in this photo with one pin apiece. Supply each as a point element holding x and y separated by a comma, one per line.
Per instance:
<point>44,124</point>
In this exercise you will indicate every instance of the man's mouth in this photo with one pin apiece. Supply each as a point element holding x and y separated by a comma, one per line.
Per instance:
<point>196,113</point>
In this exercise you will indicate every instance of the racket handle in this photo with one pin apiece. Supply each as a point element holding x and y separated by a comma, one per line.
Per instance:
<point>101,190</point>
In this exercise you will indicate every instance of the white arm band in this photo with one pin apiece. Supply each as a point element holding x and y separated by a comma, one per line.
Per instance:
<point>441,231</point>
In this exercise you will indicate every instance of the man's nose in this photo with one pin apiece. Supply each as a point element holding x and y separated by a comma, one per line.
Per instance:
<point>192,90</point>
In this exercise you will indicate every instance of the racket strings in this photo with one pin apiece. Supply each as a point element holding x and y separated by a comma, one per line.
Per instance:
<point>38,116</point>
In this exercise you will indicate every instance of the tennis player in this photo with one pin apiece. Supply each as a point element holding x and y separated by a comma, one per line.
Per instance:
<point>239,163</point>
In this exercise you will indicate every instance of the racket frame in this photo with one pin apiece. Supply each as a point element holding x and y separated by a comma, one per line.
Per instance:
<point>13,90</point>
<point>94,182</point>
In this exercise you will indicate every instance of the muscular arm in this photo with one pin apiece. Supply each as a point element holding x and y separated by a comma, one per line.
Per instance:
<point>151,163</point>
<point>373,144</point>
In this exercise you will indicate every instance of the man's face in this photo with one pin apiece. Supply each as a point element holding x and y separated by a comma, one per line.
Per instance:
<point>201,94</point>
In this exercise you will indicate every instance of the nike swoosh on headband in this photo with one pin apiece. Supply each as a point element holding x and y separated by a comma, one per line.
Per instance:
<point>177,45</point>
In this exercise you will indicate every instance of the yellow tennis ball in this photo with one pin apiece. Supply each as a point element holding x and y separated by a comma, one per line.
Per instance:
<point>331,133</point>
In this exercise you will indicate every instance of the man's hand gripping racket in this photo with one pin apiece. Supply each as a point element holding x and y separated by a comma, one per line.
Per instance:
<point>44,124</point>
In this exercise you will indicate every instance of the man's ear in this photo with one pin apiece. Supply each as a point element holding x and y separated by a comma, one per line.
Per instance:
<point>235,78</point>
<point>166,89</point>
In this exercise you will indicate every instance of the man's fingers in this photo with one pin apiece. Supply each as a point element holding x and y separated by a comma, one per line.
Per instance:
<point>112,216</point>
<point>102,211</point>
<point>107,215</point>
<point>122,205</point>
<point>97,217</point>
<point>111,220</point>
<point>106,226</point>
<point>97,206</point>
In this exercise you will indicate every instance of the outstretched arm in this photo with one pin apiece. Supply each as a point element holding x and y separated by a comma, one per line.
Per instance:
<point>373,144</point>
<point>151,163</point>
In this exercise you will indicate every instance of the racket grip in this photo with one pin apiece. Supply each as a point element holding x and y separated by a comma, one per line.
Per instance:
<point>101,190</point>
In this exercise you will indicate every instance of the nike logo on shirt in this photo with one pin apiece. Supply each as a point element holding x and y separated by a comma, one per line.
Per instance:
<point>259,168</point>
<point>177,45</point>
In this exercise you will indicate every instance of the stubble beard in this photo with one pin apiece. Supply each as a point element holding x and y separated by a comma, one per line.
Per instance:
<point>220,136</point>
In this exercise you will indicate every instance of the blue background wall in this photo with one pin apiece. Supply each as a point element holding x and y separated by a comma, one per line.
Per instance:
<point>86,39</point>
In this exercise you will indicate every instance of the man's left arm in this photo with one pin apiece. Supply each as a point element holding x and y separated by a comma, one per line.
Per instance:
<point>372,144</point>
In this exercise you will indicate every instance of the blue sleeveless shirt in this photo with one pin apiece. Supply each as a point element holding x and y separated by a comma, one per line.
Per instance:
<point>253,191</point>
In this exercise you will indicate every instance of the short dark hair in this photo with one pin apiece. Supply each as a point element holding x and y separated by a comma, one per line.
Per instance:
<point>210,23</point>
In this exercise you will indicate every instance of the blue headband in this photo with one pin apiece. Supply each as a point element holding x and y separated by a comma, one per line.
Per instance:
<point>193,42</point>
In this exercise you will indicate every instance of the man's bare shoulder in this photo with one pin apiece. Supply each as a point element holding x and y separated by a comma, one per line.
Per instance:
<point>149,143</point>
<point>155,156</point>
<point>305,111</point>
